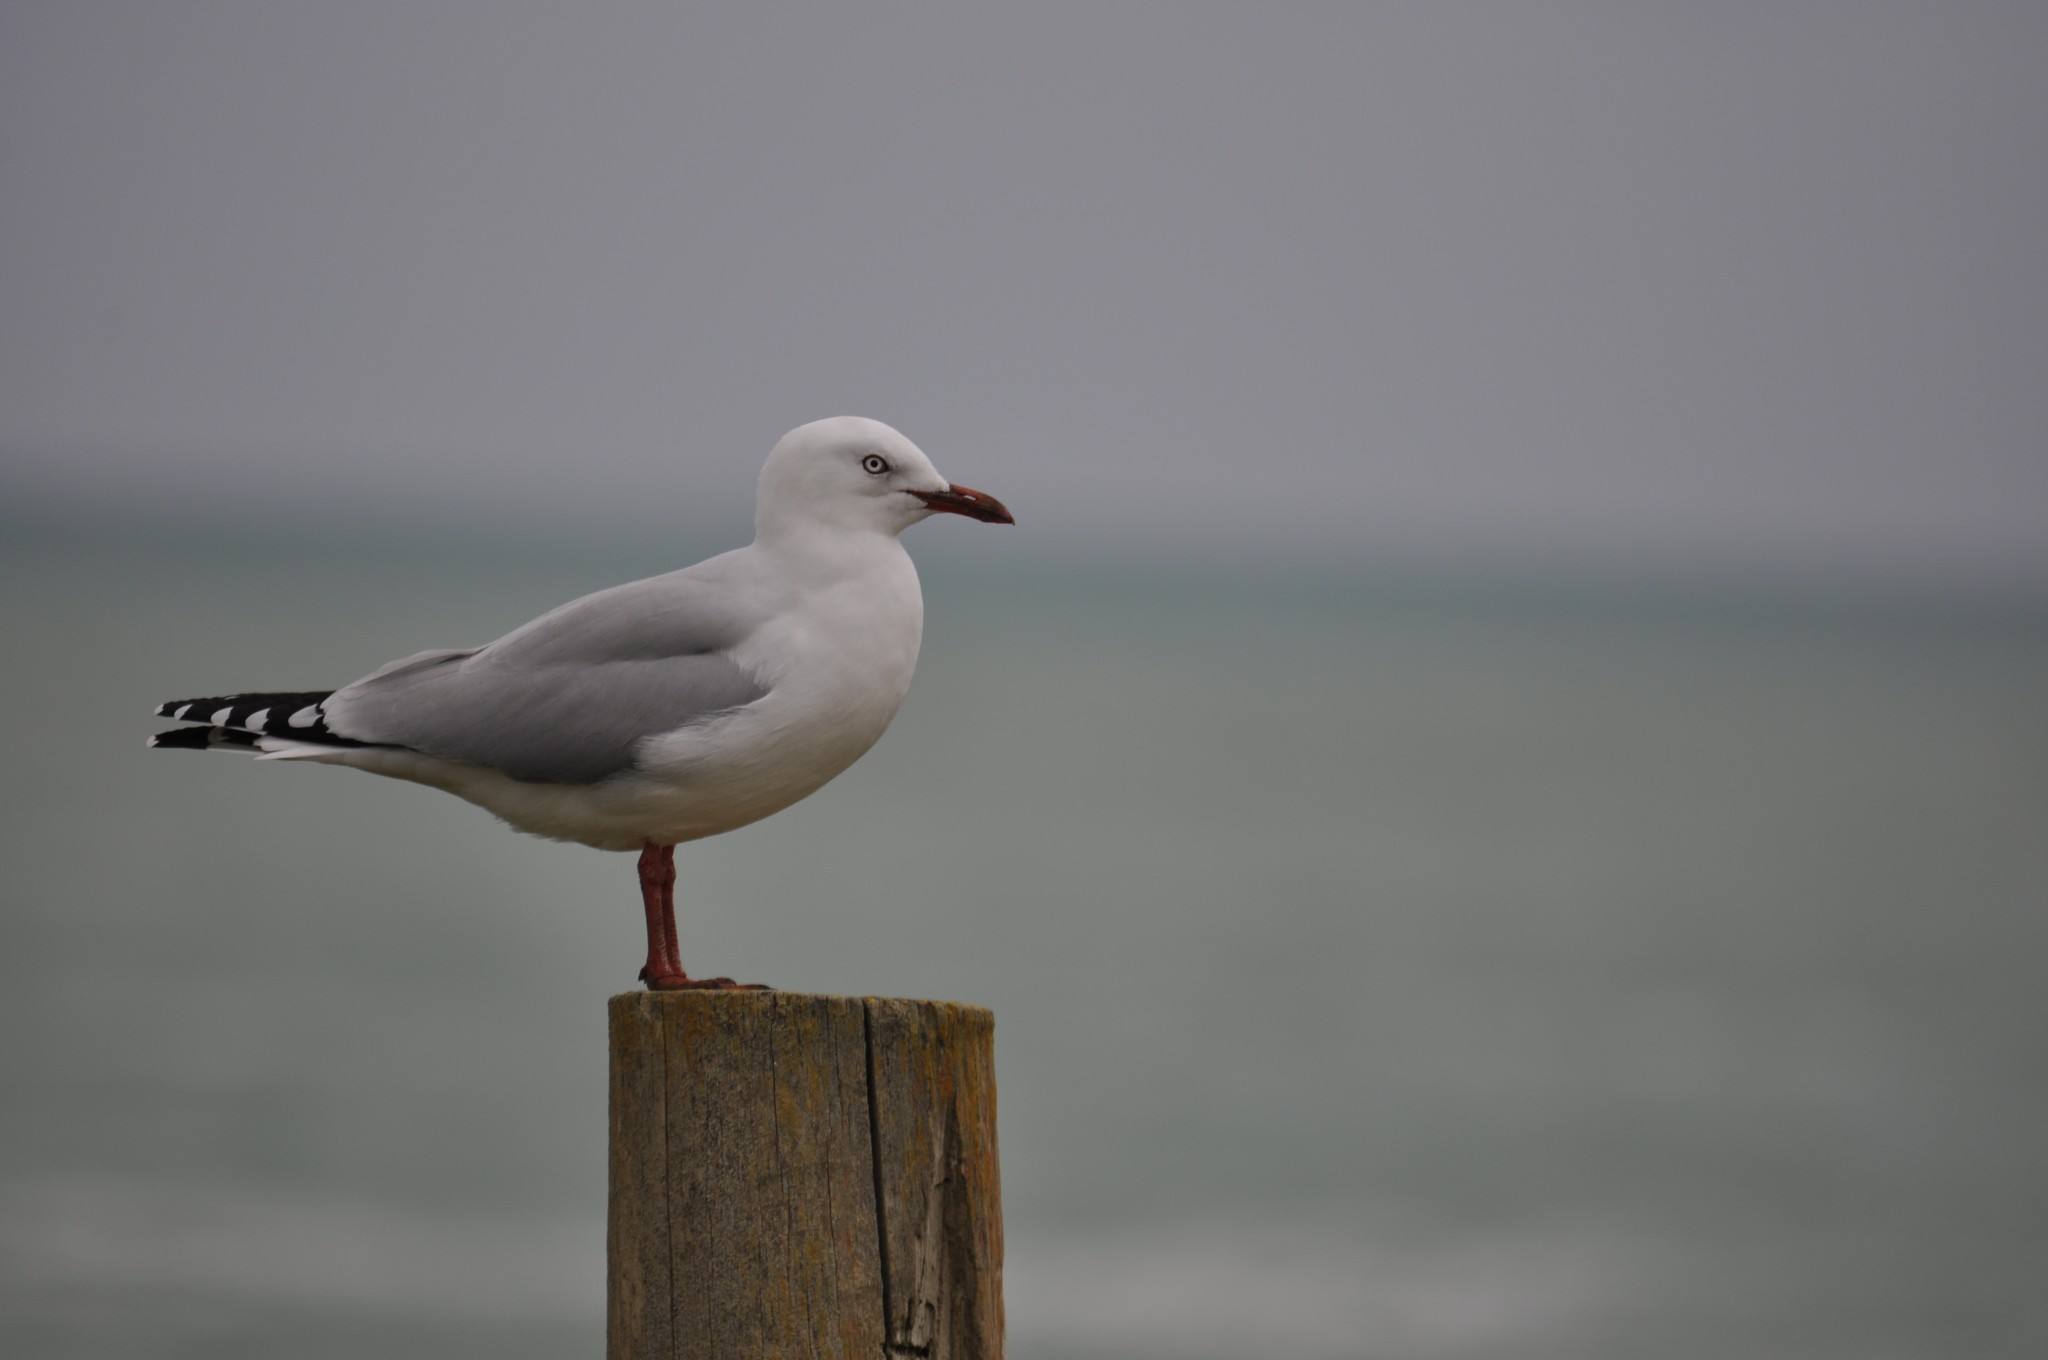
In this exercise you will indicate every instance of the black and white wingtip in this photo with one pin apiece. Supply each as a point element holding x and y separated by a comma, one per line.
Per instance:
<point>235,722</point>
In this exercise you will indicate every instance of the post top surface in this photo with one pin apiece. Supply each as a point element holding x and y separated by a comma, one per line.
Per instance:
<point>735,1000</point>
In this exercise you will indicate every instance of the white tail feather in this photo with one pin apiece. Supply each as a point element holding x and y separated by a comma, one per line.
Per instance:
<point>284,748</point>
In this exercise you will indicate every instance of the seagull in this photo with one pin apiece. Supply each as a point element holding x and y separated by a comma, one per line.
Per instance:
<point>663,710</point>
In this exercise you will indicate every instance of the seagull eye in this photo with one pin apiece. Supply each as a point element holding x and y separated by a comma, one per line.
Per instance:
<point>875,463</point>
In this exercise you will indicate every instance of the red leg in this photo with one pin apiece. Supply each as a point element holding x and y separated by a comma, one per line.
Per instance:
<point>663,971</point>
<point>668,906</point>
<point>657,900</point>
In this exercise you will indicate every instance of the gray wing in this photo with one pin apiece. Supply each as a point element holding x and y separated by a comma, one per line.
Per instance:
<point>568,698</point>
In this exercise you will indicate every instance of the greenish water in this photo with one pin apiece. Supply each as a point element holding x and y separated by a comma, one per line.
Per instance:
<point>1378,972</point>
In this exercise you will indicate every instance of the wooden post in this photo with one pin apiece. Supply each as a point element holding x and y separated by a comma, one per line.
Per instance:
<point>797,1175</point>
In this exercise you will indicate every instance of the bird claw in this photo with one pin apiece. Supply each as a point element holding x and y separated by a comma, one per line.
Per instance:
<point>677,982</point>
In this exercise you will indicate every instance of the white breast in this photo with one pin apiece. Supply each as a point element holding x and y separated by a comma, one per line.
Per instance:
<point>838,661</point>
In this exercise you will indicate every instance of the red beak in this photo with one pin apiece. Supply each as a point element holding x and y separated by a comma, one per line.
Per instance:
<point>965,500</point>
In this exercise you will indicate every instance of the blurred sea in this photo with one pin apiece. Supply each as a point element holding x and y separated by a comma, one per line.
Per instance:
<point>1384,970</point>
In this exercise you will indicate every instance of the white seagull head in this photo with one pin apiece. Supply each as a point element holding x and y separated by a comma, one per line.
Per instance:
<point>849,472</point>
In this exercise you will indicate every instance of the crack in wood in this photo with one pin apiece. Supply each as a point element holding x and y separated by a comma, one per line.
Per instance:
<point>867,1029</point>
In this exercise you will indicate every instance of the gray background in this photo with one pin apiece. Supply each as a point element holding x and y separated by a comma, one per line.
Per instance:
<point>1495,790</point>
<point>1722,286</point>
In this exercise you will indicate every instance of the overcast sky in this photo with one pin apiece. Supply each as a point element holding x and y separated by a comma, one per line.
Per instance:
<point>1707,285</point>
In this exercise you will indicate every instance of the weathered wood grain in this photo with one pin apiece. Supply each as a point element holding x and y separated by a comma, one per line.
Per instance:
<point>933,1094</point>
<point>637,1245</point>
<point>797,1175</point>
